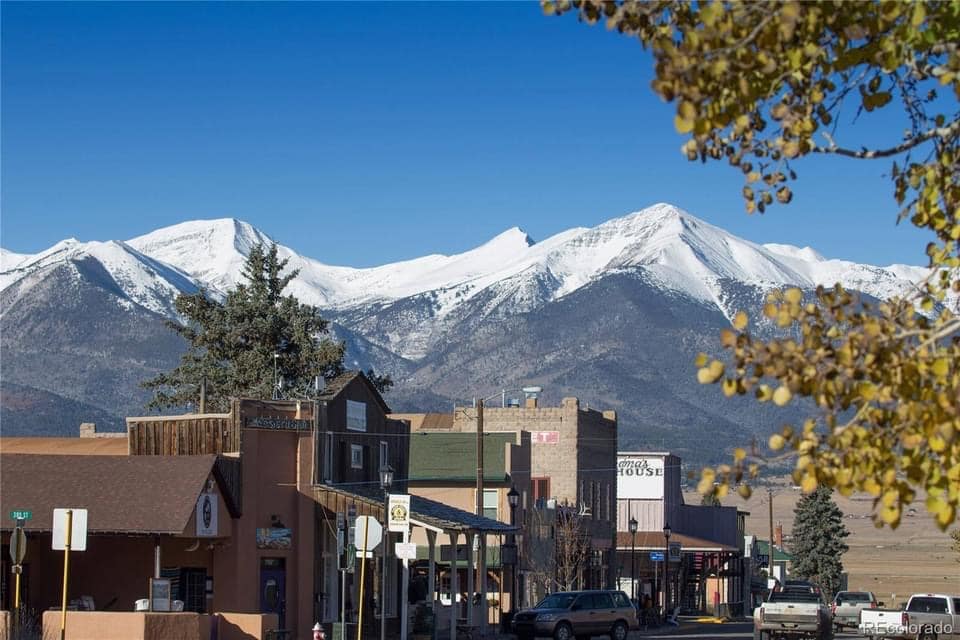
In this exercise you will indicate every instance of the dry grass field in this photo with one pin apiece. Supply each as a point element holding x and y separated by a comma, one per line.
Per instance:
<point>914,558</point>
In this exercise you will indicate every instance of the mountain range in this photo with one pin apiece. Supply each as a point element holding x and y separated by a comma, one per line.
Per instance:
<point>613,314</point>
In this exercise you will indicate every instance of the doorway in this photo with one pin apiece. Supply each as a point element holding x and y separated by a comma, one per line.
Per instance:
<point>273,588</point>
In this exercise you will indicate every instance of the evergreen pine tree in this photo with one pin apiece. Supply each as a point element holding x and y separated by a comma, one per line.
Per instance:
<point>818,540</point>
<point>232,343</point>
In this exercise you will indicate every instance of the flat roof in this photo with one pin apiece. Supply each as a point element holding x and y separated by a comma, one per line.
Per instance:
<point>110,446</point>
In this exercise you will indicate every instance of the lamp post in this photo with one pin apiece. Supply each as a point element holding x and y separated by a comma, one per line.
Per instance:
<point>386,480</point>
<point>513,499</point>
<point>633,558</point>
<point>666,569</point>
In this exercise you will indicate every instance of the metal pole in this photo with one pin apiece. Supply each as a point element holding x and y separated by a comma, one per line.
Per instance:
<point>383,581</point>
<point>770,549</point>
<point>66,573</point>
<point>633,566</point>
<point>666,577</point>
<point>363,574</point>
<point>405,586</point>
<point>480,457</point>
<point>343,602</point>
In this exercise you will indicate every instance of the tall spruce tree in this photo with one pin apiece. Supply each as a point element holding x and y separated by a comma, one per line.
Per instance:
<point>818,534</point>
<point>233,344</point>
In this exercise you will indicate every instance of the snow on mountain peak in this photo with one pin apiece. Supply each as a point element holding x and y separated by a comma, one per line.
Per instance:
<point>807,254</point>
<point>209,250</point>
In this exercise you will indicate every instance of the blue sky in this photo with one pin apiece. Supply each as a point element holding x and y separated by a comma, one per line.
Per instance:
<point>364,133</point>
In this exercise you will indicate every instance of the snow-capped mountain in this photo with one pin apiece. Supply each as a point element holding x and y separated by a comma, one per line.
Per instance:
<point>688,256</point>
<point>613,314</point>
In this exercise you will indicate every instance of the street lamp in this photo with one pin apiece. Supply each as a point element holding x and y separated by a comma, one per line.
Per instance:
<point>633,558</point>
<point>666,569</point>
<point>513,499</point>
<point>386,481</point>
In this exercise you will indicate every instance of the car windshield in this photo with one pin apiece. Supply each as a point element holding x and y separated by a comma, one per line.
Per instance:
<point>557,601</point>
<point>853,596</point>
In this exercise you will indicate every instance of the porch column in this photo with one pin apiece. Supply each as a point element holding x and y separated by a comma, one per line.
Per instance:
<point>432,571</point>
<point>454,586</point>
<point>471,581</point>
<point>482,564</point>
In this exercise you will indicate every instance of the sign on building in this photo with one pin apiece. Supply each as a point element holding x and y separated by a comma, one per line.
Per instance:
<point>640,477</point>
<point>206,515</point>
<point>544,437</point>
<point>398,510</point>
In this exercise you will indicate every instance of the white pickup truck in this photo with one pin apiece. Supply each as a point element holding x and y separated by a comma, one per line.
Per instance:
<point>792,613</point>
<point>928,616</point>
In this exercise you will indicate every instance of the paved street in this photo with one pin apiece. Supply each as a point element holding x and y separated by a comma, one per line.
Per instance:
<point>704,630</point>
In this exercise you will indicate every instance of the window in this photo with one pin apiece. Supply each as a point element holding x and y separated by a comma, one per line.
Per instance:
<point>491,499</point>
<point>541,490</point>
<point>328,459</point>
<point>356,456</point>
<point>602,601</point>
<point>384,454</point>
<point>356,416</point>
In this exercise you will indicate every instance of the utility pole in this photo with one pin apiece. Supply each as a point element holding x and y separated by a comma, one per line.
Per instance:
<point>480,457</point>
<point>203,394</point>
<point>770,506</point>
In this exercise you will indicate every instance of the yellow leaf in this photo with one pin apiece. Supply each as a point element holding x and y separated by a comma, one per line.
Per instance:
<point>809,483</point>
<point>701,360</point>
<point>940,367</point>
<point>739,454</point>
<point>740,321</point>
<point>777,442</point>
<point>745,491</point>
<point>682,125</point>
<point>781,396</point>
<point>793,295</point>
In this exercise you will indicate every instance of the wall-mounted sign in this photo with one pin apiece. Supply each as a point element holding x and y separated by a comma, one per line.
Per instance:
<point>639,477</point>
<point>544,437</point>
<point>206,515</point>
<point>276,423</point>
<point>398,511</point>
<point>274,538</point>
<point>405,550</point>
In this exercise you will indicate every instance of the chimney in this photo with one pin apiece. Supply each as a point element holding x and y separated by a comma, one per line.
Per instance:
<point>88,430</point>
<point>778,535</point>
<point>531,403</point>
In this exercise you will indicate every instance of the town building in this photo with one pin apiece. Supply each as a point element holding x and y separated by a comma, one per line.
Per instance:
<point>572,481</point>
<point>681,556</point>
<point>235,512</point>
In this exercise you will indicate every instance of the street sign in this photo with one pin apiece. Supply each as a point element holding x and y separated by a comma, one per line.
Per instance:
<point>406,550</point>
<point>656,556</point>
<point>763,559</point>
<point>78,530</point>
<point>21,514</point>
<point>369,534</point>
<point>18,545</point>
<point>398,509</point>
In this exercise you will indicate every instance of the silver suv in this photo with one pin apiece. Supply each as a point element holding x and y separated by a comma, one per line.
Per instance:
<point>578,614</point>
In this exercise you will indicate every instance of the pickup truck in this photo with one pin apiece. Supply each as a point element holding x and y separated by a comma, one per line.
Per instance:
<point>847,606</point>
<point>792,613</point>
<point>928,616</point>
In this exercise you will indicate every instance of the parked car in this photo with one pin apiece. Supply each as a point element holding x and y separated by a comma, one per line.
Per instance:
<point>928,616</point>
<point>578,614</point>
<point>847,606</point>
<point>797,611</point>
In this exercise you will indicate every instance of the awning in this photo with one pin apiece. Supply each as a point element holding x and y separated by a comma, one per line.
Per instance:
<point>367,499</point>
<point>654,541</point>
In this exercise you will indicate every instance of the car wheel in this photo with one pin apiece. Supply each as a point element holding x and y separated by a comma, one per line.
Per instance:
<point>563,632</point>
<point>760,635</point>
<point>926,634</point>
<point>619,631</point>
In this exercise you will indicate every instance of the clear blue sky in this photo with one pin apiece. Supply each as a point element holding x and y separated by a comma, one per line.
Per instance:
<point>360,134</point>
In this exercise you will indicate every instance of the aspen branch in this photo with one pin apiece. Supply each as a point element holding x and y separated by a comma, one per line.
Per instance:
<point>870,154</point>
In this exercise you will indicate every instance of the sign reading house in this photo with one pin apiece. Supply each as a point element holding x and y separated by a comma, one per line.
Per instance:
<point>639,477</point>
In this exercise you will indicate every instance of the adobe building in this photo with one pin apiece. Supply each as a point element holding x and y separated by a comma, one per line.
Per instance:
<point>239,511</point>
<point>704,570</point>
